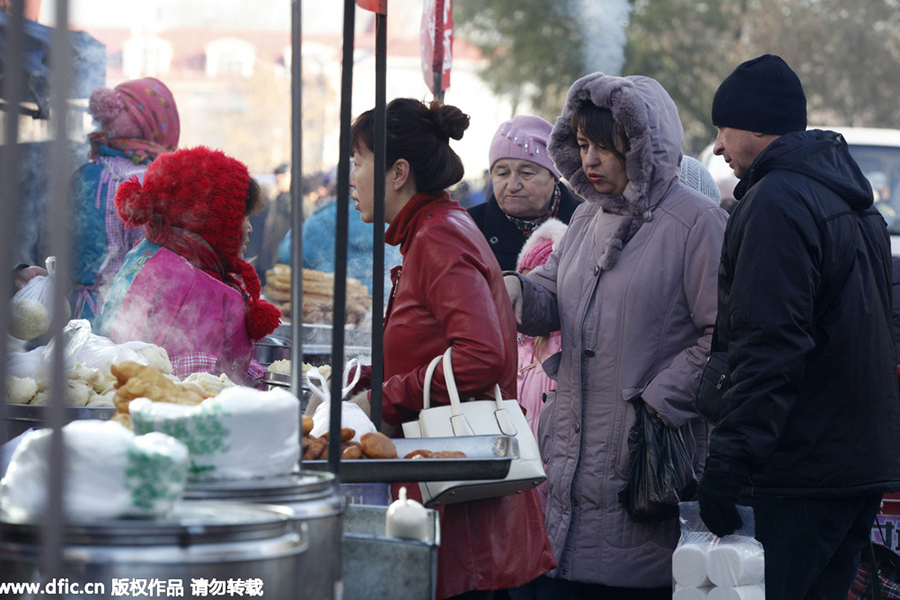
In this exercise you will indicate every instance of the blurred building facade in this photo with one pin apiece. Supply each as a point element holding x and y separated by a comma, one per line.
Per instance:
<point>232,82</point>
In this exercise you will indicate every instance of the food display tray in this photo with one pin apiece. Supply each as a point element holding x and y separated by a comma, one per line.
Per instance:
<point>487,457</point>
<point>317,339</point>
<point>19,418</point>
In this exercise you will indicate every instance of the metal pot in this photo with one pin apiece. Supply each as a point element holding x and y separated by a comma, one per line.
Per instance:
<point>272,348</point>
<point>253,545</point>
<point>316,502</point>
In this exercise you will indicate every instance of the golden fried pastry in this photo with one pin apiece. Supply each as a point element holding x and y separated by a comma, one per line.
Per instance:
<point>351,451</point>
<point>377,445</point>
<point>420,453</point>
<point>308,424</point>
<point>315,449</point>
<point>139,381</point>
<point>448,454</point>
<point>347,434</point>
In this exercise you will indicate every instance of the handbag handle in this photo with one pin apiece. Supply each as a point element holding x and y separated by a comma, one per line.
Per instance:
<point>460,426</point>
<point>314,377</point>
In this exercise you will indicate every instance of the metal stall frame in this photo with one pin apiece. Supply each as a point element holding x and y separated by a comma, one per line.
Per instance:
<point>13,90</point>
<point>51,528</point>
<point>342,223</point>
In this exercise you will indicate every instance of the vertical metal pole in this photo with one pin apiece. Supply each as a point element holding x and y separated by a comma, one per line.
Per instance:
<point>12,88</point>
<point>378,244</point>
<point>437,64</point>
<point>339,314</point>
<point>297,198</point>
<point>60,246</point>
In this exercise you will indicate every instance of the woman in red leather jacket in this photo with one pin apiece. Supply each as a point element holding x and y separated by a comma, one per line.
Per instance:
<point>449,291</point>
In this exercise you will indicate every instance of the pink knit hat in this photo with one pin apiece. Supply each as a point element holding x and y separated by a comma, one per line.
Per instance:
<point>540,245</point>
<point>523,138</point>
<point>138,117</point>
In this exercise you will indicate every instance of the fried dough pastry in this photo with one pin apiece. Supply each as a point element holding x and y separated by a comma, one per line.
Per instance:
<point>313,448</point>
<point>377,445</point>
<point>420,453</point>
<point>448,454</point>
<point>351,451</point>
<point>140,381</point>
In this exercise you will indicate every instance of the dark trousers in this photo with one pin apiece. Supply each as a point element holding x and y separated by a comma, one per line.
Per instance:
<point>813,546</point>
<point>548,588</point>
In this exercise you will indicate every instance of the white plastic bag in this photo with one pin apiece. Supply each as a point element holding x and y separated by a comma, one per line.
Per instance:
<point>33,305</point>
<point>85,348</point>
<point>352,416</point>
<point>706,566</point>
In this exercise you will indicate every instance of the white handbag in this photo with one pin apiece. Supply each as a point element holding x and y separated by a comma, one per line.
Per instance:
<point>476,417</point>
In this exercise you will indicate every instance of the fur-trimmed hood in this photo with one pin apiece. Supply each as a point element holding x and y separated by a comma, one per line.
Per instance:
<point>652,126</point>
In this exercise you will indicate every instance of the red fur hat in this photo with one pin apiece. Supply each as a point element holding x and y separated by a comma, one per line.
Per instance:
<point>205,192</point>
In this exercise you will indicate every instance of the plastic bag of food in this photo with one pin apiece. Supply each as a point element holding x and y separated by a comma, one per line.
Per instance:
<point>109,472</point>
<point>32,306</point>
<point>706,566</point>
<point>661,472</point>
<point>25,364</point>
<point>85,348</point>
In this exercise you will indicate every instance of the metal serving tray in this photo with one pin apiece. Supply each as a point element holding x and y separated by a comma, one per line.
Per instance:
<point>317,339</point>
<point>487,457</point>
<point>22,417</point>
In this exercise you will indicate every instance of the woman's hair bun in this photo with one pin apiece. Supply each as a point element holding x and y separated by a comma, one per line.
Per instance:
<point>450,120</point>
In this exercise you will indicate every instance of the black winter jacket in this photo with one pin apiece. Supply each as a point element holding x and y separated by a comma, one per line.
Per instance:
<point>805,316</point>
<point>506,240</point>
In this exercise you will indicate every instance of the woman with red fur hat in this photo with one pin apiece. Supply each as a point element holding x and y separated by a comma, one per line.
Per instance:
<point>186,286</point>
<point>138,121</point>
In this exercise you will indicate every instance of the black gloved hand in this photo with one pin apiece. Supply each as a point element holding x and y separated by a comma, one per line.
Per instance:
<point>718,494</point>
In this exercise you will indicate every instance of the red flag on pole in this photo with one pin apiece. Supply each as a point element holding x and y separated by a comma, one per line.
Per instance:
<point>376,6</point>
<point>436,42</point>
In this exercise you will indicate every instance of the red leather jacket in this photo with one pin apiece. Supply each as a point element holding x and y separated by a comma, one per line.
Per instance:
<point>451,292</point>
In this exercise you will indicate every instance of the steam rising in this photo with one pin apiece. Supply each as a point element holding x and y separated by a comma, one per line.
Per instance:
<point>604,31</point>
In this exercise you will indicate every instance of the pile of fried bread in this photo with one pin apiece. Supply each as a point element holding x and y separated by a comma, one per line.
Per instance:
<point>318,296</point>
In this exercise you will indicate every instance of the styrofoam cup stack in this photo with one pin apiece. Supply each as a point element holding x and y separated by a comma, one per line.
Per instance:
<point>736,564</point>
<point>689,565</point>
<point>741,592</point>
<point>690,593</point>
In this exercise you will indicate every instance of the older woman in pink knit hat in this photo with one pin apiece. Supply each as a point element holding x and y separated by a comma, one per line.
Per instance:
<point>527,190</point>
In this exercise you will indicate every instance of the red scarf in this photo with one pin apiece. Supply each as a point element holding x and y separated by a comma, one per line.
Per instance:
<point>195,249</point>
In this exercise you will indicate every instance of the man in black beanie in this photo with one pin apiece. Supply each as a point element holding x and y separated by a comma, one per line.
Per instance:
<point>806,434</point>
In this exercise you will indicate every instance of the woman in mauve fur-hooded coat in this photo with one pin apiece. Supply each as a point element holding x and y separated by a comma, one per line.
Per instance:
<point>632,287</point>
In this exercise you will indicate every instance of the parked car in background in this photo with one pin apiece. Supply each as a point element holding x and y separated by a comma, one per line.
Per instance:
<point>876,150</point>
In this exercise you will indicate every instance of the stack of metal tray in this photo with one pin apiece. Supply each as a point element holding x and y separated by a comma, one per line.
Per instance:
<point>317,340</point>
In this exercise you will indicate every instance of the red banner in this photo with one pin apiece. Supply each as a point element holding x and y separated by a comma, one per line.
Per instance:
<point>376,6</point>
<point>437,24</point>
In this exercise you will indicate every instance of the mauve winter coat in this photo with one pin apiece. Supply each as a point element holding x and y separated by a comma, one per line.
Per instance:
<point>635,320</point>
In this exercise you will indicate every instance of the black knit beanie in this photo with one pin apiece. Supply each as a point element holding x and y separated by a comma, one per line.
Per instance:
<point>762,94</point>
